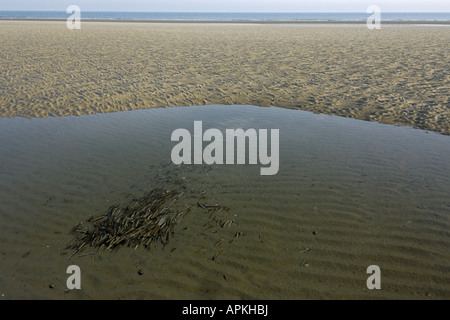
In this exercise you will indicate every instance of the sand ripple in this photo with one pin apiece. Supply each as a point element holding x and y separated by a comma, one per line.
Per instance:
<point>354,193</point>
<point>398,74</point>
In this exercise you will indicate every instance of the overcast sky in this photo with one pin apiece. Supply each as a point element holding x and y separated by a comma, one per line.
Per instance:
<point>230,5</point>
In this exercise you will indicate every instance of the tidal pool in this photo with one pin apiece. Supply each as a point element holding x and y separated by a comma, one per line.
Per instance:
<point>348,194</point>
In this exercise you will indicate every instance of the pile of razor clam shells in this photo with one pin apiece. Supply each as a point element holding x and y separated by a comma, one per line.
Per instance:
<point>143,222</point>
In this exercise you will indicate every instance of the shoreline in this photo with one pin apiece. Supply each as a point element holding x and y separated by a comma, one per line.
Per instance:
<point>302,22</point>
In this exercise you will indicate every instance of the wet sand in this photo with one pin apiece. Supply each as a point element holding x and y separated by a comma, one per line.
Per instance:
<point>397,75</point>
<point>352,192</point>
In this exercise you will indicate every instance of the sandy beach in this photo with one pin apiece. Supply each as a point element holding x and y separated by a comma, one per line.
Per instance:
<point>396,75</point>
<point>348,194</point>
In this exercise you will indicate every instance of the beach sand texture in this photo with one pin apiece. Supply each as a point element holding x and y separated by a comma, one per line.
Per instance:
<point>398,74</point>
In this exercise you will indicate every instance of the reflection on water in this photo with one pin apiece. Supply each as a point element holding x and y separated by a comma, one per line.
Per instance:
<point>353,193</point>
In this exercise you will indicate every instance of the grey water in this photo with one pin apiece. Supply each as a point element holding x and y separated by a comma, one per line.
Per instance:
<point>354,192</point>
<point>218,16</point>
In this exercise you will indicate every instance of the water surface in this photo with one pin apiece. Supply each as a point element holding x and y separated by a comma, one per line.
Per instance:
<point>230,16</point>
<point>348,194</point>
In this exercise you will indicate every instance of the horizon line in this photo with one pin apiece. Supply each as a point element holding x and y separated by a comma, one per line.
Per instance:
<point>119,11</point>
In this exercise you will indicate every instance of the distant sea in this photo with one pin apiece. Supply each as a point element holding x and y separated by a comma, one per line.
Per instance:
<point>351,16</point>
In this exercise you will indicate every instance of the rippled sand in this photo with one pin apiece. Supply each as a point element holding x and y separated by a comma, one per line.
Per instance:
<point>355,193</point>
<point>398,74</point>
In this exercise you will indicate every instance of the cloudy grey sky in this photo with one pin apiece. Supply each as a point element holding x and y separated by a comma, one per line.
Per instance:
<point>230,5</point>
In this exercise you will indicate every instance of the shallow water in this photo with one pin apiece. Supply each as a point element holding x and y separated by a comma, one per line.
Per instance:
<point>230,16</point>
<point>354,193</point>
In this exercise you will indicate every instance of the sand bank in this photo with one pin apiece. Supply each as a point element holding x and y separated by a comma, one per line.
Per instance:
<point>398,74</point>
